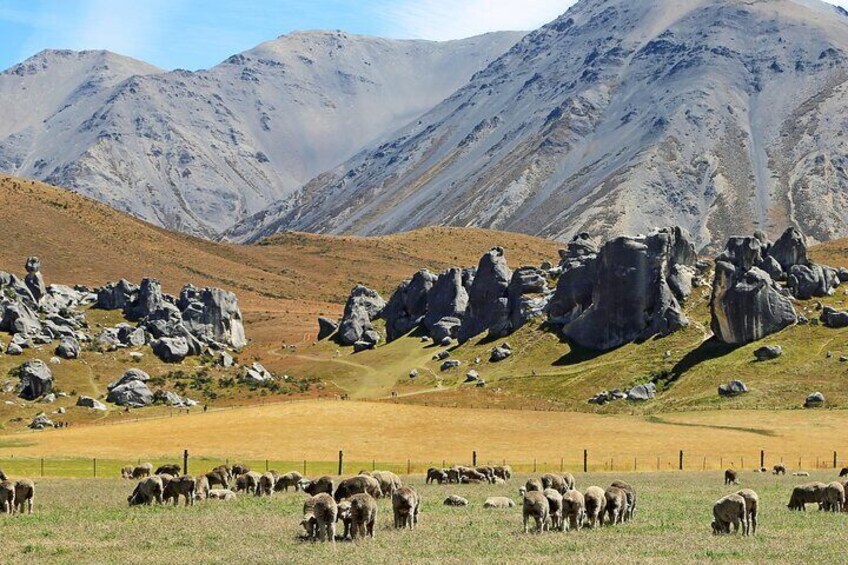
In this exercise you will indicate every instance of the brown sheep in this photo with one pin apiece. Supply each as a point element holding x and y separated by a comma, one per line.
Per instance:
<point>143,470</point>
<point>806,494</point>
<point>7,496</point>
<point>343,516</point>
<point>504,472</point>
<point>554,481</point>
<point>573,510</point>
<point>201,488</point>
<point>224,470</point>
<point>389,482</point>
<point>265,487</point>
<point>147,491</point>
<point>778,469</point>
<point>596,503</point>
<point>729,510</point>
<point>533,485</point>
<point>843,472</point>
<point>317,486</point>
<point>453,475</point>
<point>363,515</point>
<point>248,482</point>
<point>222,494</point>
<point>308,521</point>
<point>436,475</point>
<point>356,485</point>
<point>555,509</point>
<point>218,479</point>
<point>127,472</point>
<point>731,477</point>
<point>631,498</point>
<point>239,469</point>
<point>185,486</point>
<point>170,469</point>
<point>752,503</point>
<point>290,479</point>
<point>833,497</point>
<point>24,495</point>
<point>325,512</point>
<point>616,506</point>
<point>473,476</point>
<point>487,471</point>
<point>535,506</point>
<point>406,506</point>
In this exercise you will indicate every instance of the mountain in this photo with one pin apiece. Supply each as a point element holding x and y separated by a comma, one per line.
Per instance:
<point>722,116</point>
<point>197,151</point>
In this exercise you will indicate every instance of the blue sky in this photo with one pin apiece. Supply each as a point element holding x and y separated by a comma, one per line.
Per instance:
<point>195,34</point>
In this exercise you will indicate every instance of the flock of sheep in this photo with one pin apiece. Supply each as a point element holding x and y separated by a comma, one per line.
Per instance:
<point>16,496</point>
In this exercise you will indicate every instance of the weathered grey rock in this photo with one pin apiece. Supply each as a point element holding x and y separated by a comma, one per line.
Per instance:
<point>407,307</point>
<point>150,303</point>
<point>814,400</point>
<point>446,328</point>
<point>36,379</point>
<point>48,399</point>
<point>168,398</point>
<point>632,299</point>
<point>129,376</point>
<point>213,315</point>
<point>170,349</point>
<point>225,360</point>
<point>809,281</point>
<point>601,398</point>
<point>768,352</point>
<point>68,348</point>
<point>770,265</point>
<point>441,355</point>
<point>130,336</point>
<point>413,373</point>
<point>371,336</point>
<point>842,273</point>
<point>16,317</point>
<point>93,403</point>
<point>133,393</point>
<point>446,341</point>
<point>257,374</point>
<point>527,297</point>
<point>117,295</point>
<point>447,300</point>
<point>733,388</point>
<point>746,304</point>
<point>40,422</point>
<point>107,340</point>
<point>363,345</point>
<point>790,249</point>
<point>363,305</point>
<point>499,354</point>
<point>450,364</point>
<point>34,279</point>
<point>833,318</point>
<point>488,302</point>
<point>642,393</point>
<point>326,328</point>
<point>14,349</point>
<point>472,376</point>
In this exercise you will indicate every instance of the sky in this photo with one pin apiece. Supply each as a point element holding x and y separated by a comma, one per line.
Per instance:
<point>195,34</point>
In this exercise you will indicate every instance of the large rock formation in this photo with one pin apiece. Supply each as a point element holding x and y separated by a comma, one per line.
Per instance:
<point>488,303</point>
<point>789,250</point>
<point>811,280</point>
<point>527,297</point>
<point>117,295</point>
<point>408,305</point>
<point>446,304</point>
<point>213,316</point>
<point>363,305</point>
<point>131,390</point>
<point>635,292</point>
<point>36,379</point>
<point>34,279</point>
<point>150,303</point>
<point>746,304</point>
<point>573,294</point>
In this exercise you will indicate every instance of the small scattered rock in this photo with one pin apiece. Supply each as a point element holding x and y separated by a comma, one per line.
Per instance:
<point>93,403</point>
<point>814,400</point>
<point>768,352</point>
<point>733,388</point>
<point>641,393</point>
<point>450,364</point>
<point>499,354</point>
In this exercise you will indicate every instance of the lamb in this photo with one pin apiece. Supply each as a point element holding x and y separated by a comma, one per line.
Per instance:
<point>573,510</point>
<point>455,500</point>
<point>536,506</point>
<point>201,488</point>
<point>185,486</point>
<point>363,515</point>
<point>752,502</point>
<point>174,470</point>
<point>436,475</point>
<point>147,491</point>
<point>266,485</point>
<point>143,470</point>
<point>343,516</point>
<point>497,502</point>
<point>806,494</point>
<point>222,494</point>
<point>7,496</point>
<point>631,499</point>
<point>778,469</point>
<point>290,479</point>
<point>24,495</point>
<point>356,485</point>
<point>731,477</point>
<point>308,521</point>
<point>555,509</point>
<point>388,481</point>
<point>317,486</point>
<point>729,510</point>
<point>833,497</point>
<point>554,481</point>
<point>217,479</point>
<point>596,503</point>
<point>406,506</point>
<point>127,472</point>
<point>503,471</point>
<point>616,507</point>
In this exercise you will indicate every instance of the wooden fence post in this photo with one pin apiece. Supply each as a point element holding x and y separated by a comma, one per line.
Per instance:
<point>185,461</point>
<point>408,466</point>
<point>681,460</point>
<point>762,458</point>
<point>42,466</point>
<point>534,464</point>
<point>585,460</point>
<point>304,467</point>
<point>834,460</point>
<point>561,464</point>
<point>341,462</point>
<point>474,458</point>
<point>95,467</point>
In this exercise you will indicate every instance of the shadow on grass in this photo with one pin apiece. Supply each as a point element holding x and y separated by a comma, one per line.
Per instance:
<point>708,350</point>
<point>577,355</point>
<point>758,431</point>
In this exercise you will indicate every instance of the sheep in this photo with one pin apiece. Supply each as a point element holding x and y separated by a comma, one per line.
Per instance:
<point>290,479</point>
<point>343,516</point>
<point>569,481</point>
<point>503,471</point>
<point>388,481</point>
<point>800,474</point>
<point>317,486</point>
<point>595,503</point>
<point>752,502</point>
<point>406,506</point>
<point>535,506</point>
<point>143,470</point>
<point>436,475</point>
<point>356,485</point>
<point>731,477</point>
<point>573,510</point>
<point>616,506</point>
<point>555,509</point>
<point>806,494</point>
<point>487,472</point>
<point>3,476</point>
<point>325,511</point>
<point>217,479</point>
<point>147,491</point>
<point>201,488</point>
<point>174,470</point>
<point>843,472</point>
<point>497,502</point>
<point>225,470</point>
<point>248,482</point>
<point>7,496</point>
<point>533,485</point>
<point>779,469</point>
<point>265,487</point>
<point>24,495</point>
<point>308,522</point>
<point>185,486</point>
<point>363,515</point>
<point>223,494</point>
<point>239,469</point>
<point>833,497</point>
<point>455,500</point>
<point>453,475</point>
<point>631,499</point>
<point>127,472</point>
<point>554,481</point>
<point>473,476</point>
<point>729,510</point>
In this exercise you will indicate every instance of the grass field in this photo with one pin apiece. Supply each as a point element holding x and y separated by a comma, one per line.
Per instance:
<point>88,521</point>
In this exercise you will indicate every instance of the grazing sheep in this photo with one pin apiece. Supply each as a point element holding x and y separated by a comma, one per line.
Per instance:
<point>290,479</point>
<point>7,496</point>
<point>533,485</point>
<point>3,476</point>
<point>222,494</point>
<point>406,506</point>
<point>185,486</point>
<point>436,475</point>
<point>503,471</point>
<point>631,499</point>
<point>239,469</point>
<point>473,476</point>
<point>147,491</point>
<point>388,481</point>
<point>833,497</point>
<point>573,509</point>
<point>308,521</point>
<point>317,486</point>
<point>143,470</point>
<point>173,470</point>
<point>356,485</point>
<point>24,495</point>
<point>343,516</point>
<point>201,488</point>
<point>778,469</point>
<point>453,475</point>
<point>806,494</point>
<point>554,481</point>
<point>731,477</point>
<point>752,502</point>
<point>488,472</point>
<point>800,474</point>
<point>363,515</point>
<point>224,470</point>
<point>535,506</point>
<point>616,505</point>
<point>127,472</point>
<point>569,481</point>
<point>499,502</point>
<point>555,509</point>
<point>596,503</point>
<point>248,482</point>
<point>729,510</point>
<point>325,510</point>
<point>266,485</point>
<point>455,500</point>
<point>843,472</point>
<point>217,479</point>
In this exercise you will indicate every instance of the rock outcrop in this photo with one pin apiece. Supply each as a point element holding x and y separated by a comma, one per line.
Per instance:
<point>447,302</point>
<point>363,306</point>
<point>36,379</point>
<point>131,390</point>
<point>733,388</point>
<point>488,302</point>
<point>34,279</point>
<point>573,294</point>
<point>213,316</point>
<point>408,305</point>
<point>68,348</point>
<point>117,295</point>
<point>326,328</point>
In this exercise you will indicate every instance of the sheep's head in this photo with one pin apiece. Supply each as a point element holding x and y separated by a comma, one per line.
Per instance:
<point>715,527</point>
<point>522,491</point>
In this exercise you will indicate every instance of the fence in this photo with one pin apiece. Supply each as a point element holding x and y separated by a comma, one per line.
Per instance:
<point>577,462</point>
